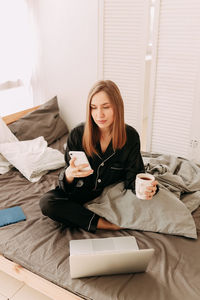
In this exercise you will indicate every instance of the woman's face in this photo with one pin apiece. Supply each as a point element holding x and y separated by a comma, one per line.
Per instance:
<point>102,111</point>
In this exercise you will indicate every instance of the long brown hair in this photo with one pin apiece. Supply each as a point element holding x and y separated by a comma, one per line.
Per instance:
<point>91,131</point>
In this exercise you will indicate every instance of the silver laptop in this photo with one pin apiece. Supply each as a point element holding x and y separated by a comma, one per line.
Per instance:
<point>106,256</point>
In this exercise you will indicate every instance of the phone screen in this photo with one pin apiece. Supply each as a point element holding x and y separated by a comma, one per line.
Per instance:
<point>81,158</point>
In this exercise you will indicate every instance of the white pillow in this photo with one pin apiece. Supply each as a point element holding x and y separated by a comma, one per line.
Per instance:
<point>32,158</point>
<point>6,136</point>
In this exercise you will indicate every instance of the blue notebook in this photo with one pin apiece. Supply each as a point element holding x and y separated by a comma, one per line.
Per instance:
<point>11,215</point>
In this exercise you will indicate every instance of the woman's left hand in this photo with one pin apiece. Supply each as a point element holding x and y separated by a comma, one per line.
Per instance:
<point>151,190</point>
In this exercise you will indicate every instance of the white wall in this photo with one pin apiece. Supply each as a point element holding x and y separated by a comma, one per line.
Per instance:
<point>68,54</point>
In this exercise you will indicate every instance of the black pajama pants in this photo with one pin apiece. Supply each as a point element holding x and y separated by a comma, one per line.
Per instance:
<point>69,209</point>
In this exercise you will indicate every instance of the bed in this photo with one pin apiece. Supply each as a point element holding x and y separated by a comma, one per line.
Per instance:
<point>36,251</point>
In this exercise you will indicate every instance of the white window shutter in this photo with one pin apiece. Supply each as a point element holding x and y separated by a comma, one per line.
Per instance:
<point>124,42</point>
<point>174,81</point>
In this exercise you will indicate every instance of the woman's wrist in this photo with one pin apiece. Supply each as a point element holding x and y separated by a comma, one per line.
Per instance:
<point>68,178</point>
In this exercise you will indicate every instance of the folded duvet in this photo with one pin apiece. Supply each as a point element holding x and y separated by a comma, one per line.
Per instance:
<point>33,158</point>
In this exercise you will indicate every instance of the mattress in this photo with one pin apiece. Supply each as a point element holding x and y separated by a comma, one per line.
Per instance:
<point>42,246</point>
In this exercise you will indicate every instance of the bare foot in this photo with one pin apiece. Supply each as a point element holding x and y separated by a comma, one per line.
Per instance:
<point>104,224</point>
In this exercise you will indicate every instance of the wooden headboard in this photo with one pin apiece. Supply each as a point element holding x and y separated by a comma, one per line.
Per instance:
<point>16,116</point>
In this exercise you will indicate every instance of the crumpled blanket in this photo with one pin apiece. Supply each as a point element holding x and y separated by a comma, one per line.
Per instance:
<point>33,158</point>
<point>178,175</point>
<point>170,209</point>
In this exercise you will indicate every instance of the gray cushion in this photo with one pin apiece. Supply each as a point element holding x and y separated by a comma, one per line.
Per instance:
<point>45,121</point>
<point>164,213</point>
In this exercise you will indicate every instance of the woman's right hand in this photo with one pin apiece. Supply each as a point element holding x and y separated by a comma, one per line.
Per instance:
<point>76,171</point>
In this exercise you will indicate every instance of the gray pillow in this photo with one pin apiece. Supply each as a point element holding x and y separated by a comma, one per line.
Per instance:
<point>165,213</point>
<point>44,121</point>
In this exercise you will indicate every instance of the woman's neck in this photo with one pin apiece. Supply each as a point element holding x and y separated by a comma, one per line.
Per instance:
<point>105,138</point>
<point>105,133</point>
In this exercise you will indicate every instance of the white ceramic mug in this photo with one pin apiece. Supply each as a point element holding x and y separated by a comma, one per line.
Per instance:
<point>143,180</point>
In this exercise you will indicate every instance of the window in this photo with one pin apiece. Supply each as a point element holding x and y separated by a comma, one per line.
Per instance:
<point>16,56</point>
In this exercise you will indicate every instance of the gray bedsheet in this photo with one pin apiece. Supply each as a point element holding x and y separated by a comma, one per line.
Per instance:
<point>42,246</point>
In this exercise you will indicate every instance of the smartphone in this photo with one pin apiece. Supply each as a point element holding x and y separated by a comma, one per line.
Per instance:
<point>81,158</point>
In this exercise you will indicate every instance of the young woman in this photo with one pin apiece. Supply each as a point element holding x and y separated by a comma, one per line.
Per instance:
<point>113,151</point>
